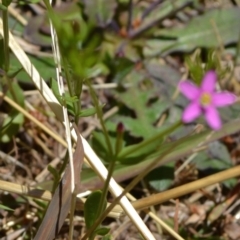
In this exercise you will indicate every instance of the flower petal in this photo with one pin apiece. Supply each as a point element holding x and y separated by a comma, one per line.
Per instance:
<point>223,99</point>
<point>189,90</point>
<point>209,81</point>
<point>212,117</point>
<point>191,112</point>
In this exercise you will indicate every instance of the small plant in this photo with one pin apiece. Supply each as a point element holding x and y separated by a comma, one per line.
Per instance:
<point>116,82</point>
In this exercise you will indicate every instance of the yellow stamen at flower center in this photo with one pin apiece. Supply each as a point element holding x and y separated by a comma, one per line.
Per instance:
<point>205,99</point>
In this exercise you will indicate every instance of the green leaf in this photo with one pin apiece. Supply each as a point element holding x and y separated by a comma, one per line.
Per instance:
<point>25,2</point>
<point>98,69</point>
<point>67,99</point>
<point>14,119</point>
<point>120,67</point>
<point>160,12</point>
<point>102,231</point>
<point>91,208</point>
<point>145,104</point>
<point>5,208</point>
<point>213,28</point>
<point>100,146</point>
<point>13,74</point>
<point>37,30</point>
<point>99,12</point>
<point>18,94</point>
<point>124,67</point>
<point>167,152</point>
<point>53,171</point>
<point>87,112</point>
<point>138,152</point>
<point>2,57</point>
<point>11,126</point>
<point>34,35</point>
<point>161,178</point>
<point>216,158</point>
<point>55,89</point>
<point>56,177</point>
<point>194,64</point>
<point>107,237</point>
<point>2,7</point>
<point>44,65</point>
<point>6,2</point>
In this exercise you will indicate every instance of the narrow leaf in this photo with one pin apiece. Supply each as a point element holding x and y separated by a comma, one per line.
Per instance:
<point>87,112</point>
<point>100,12</point>
<point>2,7</point>
<point>5,208</point>
<point>102,231</point>
<point>213,28</point>
<point>91,208</point>
<point>60,204</point>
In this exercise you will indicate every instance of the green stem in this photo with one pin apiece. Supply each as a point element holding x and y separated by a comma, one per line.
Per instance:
<point>146,142</point>
<point>6,49</point>
<point>119,139</point>
<point>6,37</point>
<point>112,156</point>
<point>100,117</point>
<point>76,105</point>
<point>129,187</point>
<point>105,188</point>
<point>103,196</point>
<point>65,64</point>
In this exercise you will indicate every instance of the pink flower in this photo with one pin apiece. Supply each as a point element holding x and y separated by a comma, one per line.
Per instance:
<point>205,100</point>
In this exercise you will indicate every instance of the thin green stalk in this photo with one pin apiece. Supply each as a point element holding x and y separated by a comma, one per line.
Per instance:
<point>100,116</point>
<point>130,13</point>
<point>6,50</point>
<point>6,37</point>
<point>113,157</point>
<point>127,189</point>
<point>111,168</point>
<point>118,147</point>
<point>105,188</point>
<point>104,195</point>
<point>65,64</point>
<point>119,139</point>
<point>76,105</point>
<point>146,142</point>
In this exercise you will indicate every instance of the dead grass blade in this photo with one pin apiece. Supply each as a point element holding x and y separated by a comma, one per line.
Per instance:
<point>61,200</point>
<point>186,188</point>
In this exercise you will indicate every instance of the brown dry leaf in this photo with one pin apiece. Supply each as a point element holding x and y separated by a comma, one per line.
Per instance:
<point>199,213</point>
<point>60,204</point>
<point>194,218</point>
